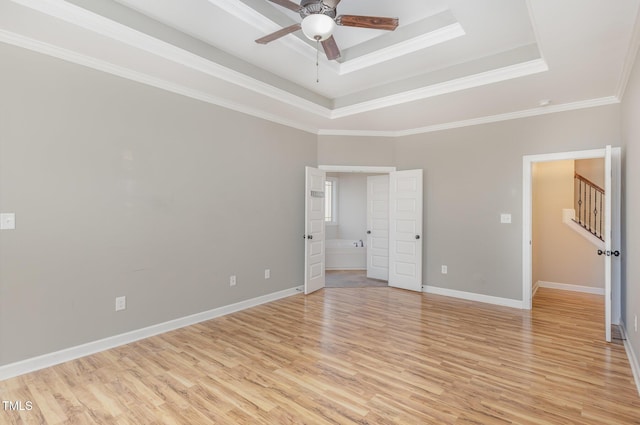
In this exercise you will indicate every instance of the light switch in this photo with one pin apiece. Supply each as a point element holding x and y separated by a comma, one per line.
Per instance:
<point>505,218</point>
<point>7,221</point>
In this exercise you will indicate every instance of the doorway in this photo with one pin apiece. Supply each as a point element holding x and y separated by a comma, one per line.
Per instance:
<point>611,232</point>
<point>356,252</point>
<point>405,191</point>
<point>348,265</point>
<point>568,225</point>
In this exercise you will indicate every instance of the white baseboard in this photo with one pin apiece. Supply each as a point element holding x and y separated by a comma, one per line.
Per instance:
<point>570,287</point>
<point>535,289</point>
<point>51,359</point>
<point>507,302</point>
<point>631,355</point>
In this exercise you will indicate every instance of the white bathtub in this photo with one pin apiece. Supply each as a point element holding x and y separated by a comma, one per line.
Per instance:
<point>342,254</point>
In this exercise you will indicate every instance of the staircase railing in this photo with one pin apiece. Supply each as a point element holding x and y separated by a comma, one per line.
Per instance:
<point>589,205</point>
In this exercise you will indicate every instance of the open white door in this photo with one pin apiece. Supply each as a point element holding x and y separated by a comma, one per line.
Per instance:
<point>611,238</point>
<point>616,241</point>
<point>378,227</point>
<point>405,229</point>
<point>314,278</point>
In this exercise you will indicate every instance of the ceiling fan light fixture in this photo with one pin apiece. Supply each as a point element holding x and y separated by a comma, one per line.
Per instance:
<point>318,27</point>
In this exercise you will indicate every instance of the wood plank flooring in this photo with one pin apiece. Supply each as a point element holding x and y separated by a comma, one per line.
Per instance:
<point>352,356</point>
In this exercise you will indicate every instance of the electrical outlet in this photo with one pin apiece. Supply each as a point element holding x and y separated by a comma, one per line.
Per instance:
<point>444,269</point>
<point>7,221</point>
<point>121,303</point>
<point>232,280</point>
<point>505,218</point>
<point>267,273</point>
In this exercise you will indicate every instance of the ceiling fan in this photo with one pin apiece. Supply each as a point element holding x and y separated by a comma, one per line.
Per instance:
<point>319,19</point>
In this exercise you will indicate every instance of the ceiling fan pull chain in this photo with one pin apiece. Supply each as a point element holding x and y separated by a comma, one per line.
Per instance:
<point>317,60</point>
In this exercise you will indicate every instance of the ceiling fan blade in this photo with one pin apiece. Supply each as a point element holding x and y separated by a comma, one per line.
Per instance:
<point>331,48</point>
<point>374,22</point>
<point>280,33</point>
<point>288,4</point>
<point>331,3</point>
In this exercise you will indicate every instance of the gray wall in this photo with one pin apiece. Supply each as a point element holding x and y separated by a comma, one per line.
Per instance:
<point>124,189</point>
<point>591,169</point>
<point>352,206</point>
<point>472,175</point>
<point>365,151</point>
<point>631,206</point>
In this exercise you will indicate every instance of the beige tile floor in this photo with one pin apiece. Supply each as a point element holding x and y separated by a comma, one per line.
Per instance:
<point>350,279</point>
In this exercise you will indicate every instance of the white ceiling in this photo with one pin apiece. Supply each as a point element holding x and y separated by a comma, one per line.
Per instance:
<point>449,63</point>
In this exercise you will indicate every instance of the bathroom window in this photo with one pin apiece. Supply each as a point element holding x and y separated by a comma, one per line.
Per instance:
<point>331,200</point>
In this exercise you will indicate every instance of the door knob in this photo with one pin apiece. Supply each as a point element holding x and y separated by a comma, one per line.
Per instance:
<point>417,236</point>
<point>310,237</point>
<point>368,232</point>
<point>609,253</point>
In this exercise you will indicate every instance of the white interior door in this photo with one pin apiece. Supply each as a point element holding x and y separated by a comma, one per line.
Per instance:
<point>611,238</point>
<point>378,227</point>
<point>405,229</point>
<point>616,244</point>
<point>314,277</point>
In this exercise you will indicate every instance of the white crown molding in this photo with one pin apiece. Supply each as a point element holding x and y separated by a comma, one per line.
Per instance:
<point>552,109</point>
<point>74,57</point>
<point>80,59</point>
<point>458,84</point>
<point>116,31</point>
<point>51,359</point>
<point>403,48</point>
<point>357,133</point>
<point>475,121</point>
<point>584,104</point>
<point>101,25</point>
<point>471,296</point>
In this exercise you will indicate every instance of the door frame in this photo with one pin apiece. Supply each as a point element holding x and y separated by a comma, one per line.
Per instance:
<point>357,169</point>
<point>527,221</point>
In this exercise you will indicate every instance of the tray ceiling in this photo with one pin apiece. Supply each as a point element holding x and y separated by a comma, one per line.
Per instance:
<point>449,63</point>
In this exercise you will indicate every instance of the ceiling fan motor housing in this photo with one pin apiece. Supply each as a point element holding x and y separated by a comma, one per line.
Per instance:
<point>315,7</point>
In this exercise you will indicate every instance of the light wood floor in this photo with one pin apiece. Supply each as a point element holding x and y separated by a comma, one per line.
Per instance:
<point>353,356</point>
